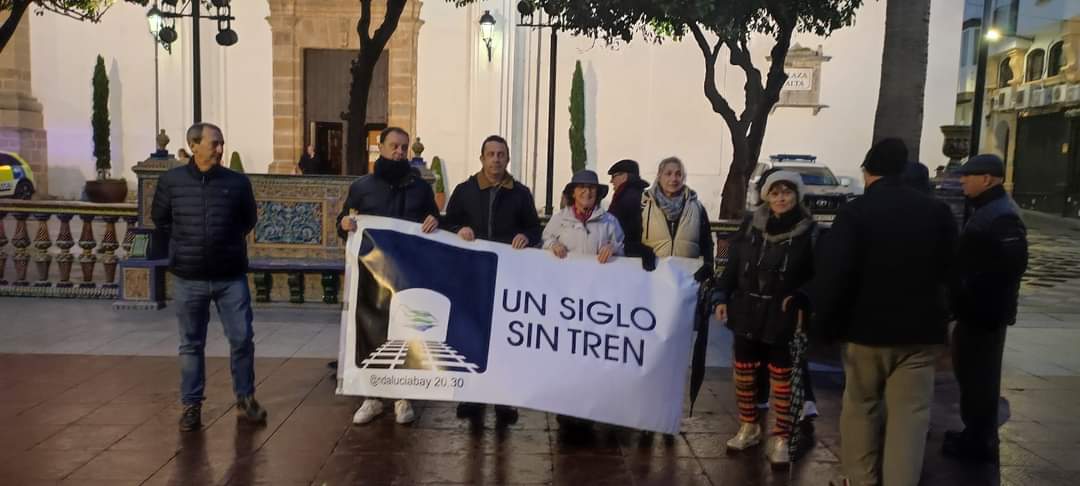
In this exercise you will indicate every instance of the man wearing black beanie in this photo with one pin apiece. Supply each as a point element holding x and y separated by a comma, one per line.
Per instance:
<point>881,274</point>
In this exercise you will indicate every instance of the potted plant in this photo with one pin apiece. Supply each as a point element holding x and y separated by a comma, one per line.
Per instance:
<point>104,189</point>
<point>440,184</point>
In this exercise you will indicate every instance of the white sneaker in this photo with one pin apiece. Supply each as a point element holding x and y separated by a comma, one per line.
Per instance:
<point>776,450</point>
<point>809,411</point>
<point>763,405</point>
<point>749,436</point>
<point>367,412</point>
<point>403,412</point>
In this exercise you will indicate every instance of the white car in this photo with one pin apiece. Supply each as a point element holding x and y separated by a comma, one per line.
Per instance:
<point>825,192</point>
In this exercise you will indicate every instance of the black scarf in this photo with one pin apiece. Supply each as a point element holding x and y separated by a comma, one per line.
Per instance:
<point>783,223</point>
<point>392,171</point>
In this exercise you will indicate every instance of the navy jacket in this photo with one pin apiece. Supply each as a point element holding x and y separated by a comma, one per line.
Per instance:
<point>206,217</point>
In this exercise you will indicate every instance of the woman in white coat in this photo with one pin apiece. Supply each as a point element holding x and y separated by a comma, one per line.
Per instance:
<point>583,226</point>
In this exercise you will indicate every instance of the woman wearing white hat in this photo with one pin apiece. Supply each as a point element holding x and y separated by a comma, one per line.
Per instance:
<point>767,261</point>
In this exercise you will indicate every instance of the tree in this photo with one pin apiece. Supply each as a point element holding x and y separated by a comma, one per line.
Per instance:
<point>903,73</point>
<point>578,156</point>
<point>88,10</point>
<point>714,25</point>
<point>99,120</point>
<point>363,68</point>
<point>235,164</point>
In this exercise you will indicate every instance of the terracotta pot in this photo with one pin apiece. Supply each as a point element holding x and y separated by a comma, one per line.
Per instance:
<point>107,191</point>
<point>440,199</point>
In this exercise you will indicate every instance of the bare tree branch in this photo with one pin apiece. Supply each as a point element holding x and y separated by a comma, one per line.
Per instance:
<point>18,8</point>
<point>390,22</point>
<point>719,104</point>
<point>363,26</point>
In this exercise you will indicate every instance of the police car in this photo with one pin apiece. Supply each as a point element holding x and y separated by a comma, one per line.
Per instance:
<point>825,192</point>
<point>16,178</point>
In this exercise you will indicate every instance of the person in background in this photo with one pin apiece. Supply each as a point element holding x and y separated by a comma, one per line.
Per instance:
<point>309,163</point>
<point>626,202</point>
<point>990,260</point>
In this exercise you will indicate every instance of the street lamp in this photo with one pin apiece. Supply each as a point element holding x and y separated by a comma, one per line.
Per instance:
<point>155,21</point>
<point>167,35</point>
<point>526,9</point>
<point>487,29</point>
<point>994,34</point>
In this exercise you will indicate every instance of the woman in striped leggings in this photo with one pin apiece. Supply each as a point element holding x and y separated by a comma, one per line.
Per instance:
<point>767,261</point>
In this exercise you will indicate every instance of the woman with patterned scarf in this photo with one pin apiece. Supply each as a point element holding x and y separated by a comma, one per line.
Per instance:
<point>767,261</point>
<point>674,222</point>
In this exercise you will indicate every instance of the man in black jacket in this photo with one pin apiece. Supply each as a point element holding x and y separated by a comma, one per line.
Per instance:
<point>881,274</point>
<point>492,206</point>
<point>991,258</point>
<point>206,212</point>
<point>626,202</point>
<point>394,190</point>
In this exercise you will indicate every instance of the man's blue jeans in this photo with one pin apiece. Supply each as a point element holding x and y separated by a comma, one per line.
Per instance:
<point>232,297</point>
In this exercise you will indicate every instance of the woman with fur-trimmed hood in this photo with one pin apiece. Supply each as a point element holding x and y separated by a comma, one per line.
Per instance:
<point>767,261</point>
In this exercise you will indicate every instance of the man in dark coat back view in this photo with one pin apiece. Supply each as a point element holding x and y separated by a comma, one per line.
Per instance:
<point>990,260</point>
<point>882,271</point>
<point>492,206</point>
<point>626,203</point>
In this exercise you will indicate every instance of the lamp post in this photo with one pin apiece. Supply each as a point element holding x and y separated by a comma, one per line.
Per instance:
<point>980,80</point>
<point>225,37</point>
<point>487,30</point>
<point>526,9</point>
<point>153,18</point>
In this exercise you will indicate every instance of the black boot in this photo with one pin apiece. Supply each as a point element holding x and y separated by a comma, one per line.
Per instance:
<point>505,415</point>
<point>191,419</point>
<point>249,410</point>
<point>469,410</point>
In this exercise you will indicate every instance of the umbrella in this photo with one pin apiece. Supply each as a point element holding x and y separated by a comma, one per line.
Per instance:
<point>798,354</point>
<point>701,342</point>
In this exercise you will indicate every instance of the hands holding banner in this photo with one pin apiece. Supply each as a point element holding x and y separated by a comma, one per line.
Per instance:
<point>430,316</point>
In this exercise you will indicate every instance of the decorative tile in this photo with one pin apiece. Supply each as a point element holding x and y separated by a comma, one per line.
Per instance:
<point>284,222</point>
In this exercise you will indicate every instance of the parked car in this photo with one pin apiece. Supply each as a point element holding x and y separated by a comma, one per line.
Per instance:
<point>825,192</point>
<point>16,177</point>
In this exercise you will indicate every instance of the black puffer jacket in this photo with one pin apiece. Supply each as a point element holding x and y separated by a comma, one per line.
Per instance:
<point>499,217</point>
<point>206,217</point>
<point>409,198</point>
<point>764,266</point>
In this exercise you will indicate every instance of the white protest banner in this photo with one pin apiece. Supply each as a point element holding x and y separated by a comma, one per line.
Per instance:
<point>433,317</point>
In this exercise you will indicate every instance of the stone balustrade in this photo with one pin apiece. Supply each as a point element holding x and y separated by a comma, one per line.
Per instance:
<point>31,271</point>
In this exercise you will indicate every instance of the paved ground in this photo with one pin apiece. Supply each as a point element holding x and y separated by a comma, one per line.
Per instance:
<point>88,396</point>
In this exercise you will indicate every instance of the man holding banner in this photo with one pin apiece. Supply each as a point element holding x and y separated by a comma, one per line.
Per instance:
<point>492,206</point>
<point>394,190</point>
